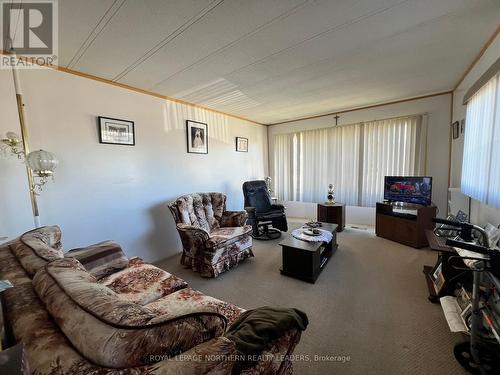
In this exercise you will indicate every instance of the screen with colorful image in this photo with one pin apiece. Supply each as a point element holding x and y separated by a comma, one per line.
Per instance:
<point>417,190</point>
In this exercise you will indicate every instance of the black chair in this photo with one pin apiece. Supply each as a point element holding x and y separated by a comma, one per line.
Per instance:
<point>262,213</point>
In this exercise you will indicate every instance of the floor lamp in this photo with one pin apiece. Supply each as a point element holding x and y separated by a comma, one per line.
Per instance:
<point>40,164</point>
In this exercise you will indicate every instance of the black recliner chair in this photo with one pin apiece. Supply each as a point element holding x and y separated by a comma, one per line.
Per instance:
<point>262,213</point>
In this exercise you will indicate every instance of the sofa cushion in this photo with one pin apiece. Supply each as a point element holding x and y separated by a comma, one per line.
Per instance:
<point>228,235</point>
<point>203,210</point>
<point>111,331</point>
<point>142,283</point>
<point>100,259</point>
<point>37,247</point>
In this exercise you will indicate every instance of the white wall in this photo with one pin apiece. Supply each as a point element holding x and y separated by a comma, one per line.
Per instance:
<point>438,109</point>
<point>118,192</point>
<point>480,213</point>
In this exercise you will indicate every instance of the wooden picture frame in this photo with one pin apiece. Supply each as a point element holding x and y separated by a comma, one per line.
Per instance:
<point>241,144</point>
<point>455,129</point>
<point>196,137</point>
<point>114,131</point>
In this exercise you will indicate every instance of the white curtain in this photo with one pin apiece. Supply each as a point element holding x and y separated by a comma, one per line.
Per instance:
<point>306,162</point>
<point>354,158</point>
<point>329,156</point>
<point>285,163</point>
<point>393,147</point>
<point>481,158</point>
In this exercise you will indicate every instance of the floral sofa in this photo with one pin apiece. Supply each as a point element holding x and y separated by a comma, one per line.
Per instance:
<point>76,319</point>
<point>213,239</point>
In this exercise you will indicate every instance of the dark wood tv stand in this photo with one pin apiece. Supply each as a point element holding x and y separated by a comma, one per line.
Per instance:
<point>394,222</point>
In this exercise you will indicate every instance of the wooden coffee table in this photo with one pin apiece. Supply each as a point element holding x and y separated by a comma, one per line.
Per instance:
<point>305,260</point>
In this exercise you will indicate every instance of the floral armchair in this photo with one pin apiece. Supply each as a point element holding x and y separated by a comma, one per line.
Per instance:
<point>213,239</point>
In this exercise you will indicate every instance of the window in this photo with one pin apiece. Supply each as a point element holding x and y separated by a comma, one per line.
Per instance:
<point>481,158</point>
<point>394,147</point>
<point>354,158</point>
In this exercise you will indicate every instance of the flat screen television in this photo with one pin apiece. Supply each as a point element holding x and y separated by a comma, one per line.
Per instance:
<point>416,190</point>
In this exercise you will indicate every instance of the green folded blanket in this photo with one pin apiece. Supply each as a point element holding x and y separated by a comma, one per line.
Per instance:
<point>255,329</point>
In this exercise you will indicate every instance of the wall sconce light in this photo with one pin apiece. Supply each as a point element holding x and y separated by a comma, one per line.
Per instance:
<point>13,142</point>
<point>41,163</point>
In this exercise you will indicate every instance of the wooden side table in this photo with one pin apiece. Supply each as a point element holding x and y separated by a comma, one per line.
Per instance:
<point>332,213</point>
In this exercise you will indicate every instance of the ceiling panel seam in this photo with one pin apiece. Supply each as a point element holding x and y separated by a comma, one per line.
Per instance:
<point>332,29</point>
<point>288,73</point>
<point>181,29</point>
<point>280,17</point>
<point>96,31</point>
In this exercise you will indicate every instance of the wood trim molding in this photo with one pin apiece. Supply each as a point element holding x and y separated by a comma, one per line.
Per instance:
<point>132,88</point>
<point>481,81</point>
<point>183,102</point>
<point>365,107</point>
<point>478,57</point>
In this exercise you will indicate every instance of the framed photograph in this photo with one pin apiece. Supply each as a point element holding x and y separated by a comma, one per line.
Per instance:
<point>437,277</point>
<point>116,132</point>
<point>197,137</point>
<point>439,283</point>
<point>437,271</point>
<point>456,129</point>
<point>241,144</point>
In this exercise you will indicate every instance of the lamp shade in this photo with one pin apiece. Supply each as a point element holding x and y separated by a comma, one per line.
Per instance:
<point>13,137</point>
<point>42,162</point>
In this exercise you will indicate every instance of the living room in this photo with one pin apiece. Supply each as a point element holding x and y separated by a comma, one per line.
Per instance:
<point>152,109</point>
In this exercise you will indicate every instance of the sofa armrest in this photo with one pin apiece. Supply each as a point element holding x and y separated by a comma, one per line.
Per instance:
<point>197,321</point>
<point>233,218</point>
<point>193,238</point>
<point>192,230</point>
<point>275,359</point>
<point>186,303</point>
<point>211,357</point>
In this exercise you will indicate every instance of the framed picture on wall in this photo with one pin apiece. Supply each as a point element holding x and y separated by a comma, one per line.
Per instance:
<point>197,137</point>
<point>241,144</point>
<point>455,129</point>
<point>115,131</point>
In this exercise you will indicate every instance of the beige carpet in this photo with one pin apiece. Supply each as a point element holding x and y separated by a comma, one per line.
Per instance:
<point>369,305</point>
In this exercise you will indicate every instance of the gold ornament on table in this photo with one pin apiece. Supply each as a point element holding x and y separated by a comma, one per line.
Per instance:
<point>331,195</point>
